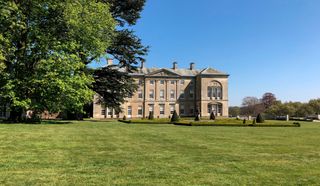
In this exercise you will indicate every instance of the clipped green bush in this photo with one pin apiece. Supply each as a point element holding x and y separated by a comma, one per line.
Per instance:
<point>151,116</point>
<point>174,117</point>
<point>124,118</point>
<point>197,118</point>
<point>244,121</point>
<point>259,118</point>
<point>254,121</point>
<point>212,116</point>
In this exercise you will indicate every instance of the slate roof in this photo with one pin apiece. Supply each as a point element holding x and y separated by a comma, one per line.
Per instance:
<point>179,71</point>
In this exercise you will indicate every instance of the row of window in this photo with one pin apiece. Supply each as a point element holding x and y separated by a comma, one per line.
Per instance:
<point>162,94</point>
<point>161,109</point>
<point>152,82</point>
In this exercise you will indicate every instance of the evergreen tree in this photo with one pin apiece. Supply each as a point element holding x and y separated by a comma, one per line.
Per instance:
<point>151,116</point>
<point>212,116</point>
<point>197,118</point>
<point>127,49</point>
<point>174,117</point>
<point>259,118</point>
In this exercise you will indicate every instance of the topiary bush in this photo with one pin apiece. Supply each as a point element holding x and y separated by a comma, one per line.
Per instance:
<point>197,118</point>
<point>124,117</point>
<point>174,117</point>
<point>254,121</point>
<point>212,116</point>
<point>151,116</point>
<point>259,118</point>
<point>244,121</point>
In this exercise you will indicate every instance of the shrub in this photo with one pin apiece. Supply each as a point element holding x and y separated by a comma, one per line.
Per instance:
<point>254,121</point>
<point>151,115</point>
<point>244,121</point>
<point>174,117</point>
<point>297,124</point>
<point>212,116</point>
<point>197,117</point>
<point>259,118</point>
<point>124,117</point>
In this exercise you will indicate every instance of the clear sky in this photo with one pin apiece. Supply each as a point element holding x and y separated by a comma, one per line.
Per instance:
<point>265,46</point>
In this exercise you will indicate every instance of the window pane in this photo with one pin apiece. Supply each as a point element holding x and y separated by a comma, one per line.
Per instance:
<point>151,94</point>
<point>140,110</point>
<point>171,109</point>
<point>161,109</point>
<point>161,94</point>
<point>129,110</point>
<point>172,94</point>
<point>181,94</point>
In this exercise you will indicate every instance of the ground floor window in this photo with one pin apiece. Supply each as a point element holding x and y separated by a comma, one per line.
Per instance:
<point>103,112</point>
<point>181,109</point>
<point>129,110</point>
<point>109,112</point>
<point>161,106</point>
<point>171,108</point>
<point>140,110</point>
<point>215,108</point>
<point>151,108</point>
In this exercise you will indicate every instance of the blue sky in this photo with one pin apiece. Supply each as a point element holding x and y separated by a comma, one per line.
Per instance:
<point>265,46</point>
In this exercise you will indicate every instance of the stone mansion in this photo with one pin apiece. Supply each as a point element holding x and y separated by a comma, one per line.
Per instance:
<point>163,90</point>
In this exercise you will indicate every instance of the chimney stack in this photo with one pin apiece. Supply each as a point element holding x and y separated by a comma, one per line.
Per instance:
<point>192,66</point>
<point>109,61</point>
<point>175,65</point>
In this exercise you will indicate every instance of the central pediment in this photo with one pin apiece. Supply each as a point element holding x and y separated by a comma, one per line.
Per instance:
<point>163,72</point>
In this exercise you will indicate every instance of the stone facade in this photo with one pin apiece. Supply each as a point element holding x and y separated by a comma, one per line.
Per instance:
<point>164,90</point>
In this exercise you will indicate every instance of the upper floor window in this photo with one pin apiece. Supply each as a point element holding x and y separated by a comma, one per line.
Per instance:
<point>172,82</point>
<point>191,92</point>
<point>161,94</point>
<point>215,90</point>
<point>182,82</point>
<point>151,94</point>
<point>151,82</point>
<point>171,94</point>
<point>140,95</point>
<point>181,94</point>
<point>162,82</point>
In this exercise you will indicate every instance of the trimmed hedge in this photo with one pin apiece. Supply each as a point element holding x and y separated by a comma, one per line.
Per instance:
<point>234,125</point>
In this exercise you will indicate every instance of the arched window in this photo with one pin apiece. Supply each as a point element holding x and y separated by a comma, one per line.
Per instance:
<point>216,108</point>
<point>215,90</point>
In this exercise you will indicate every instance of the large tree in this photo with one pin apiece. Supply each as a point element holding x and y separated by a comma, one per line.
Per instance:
<point>44,46</point>
<point>113,85</point>
<point>268,99</point>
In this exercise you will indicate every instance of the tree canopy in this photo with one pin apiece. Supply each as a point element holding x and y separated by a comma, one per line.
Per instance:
<point>44,46</point>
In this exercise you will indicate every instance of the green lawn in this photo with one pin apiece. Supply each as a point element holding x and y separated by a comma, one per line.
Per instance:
<point>113,153</point>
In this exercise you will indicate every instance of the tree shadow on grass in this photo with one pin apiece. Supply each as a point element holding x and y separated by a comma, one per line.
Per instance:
<point>44,122</point>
